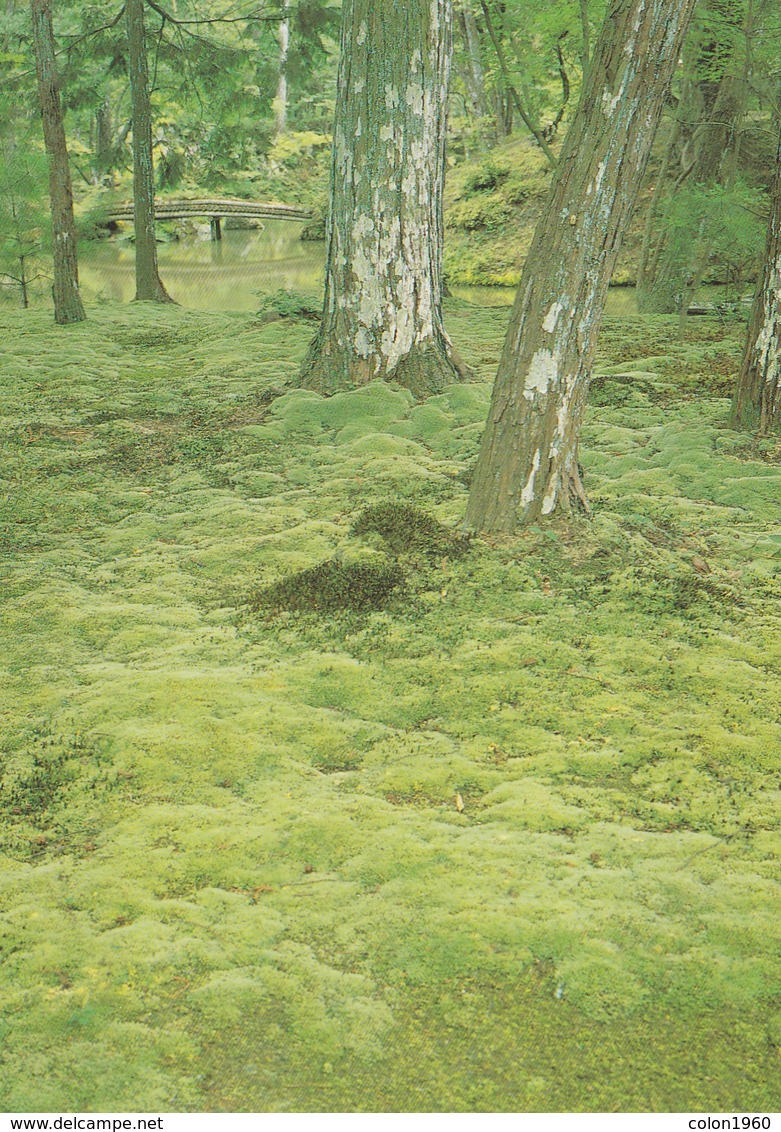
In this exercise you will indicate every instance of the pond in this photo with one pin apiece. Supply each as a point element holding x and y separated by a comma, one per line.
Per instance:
<point>227,274</point>
<point>210,274</point>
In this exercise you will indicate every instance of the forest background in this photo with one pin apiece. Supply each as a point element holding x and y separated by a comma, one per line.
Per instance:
<point>309,800</point>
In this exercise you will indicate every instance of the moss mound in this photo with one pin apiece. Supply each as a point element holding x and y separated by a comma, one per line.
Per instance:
<point>364,584</point>
<point>404,527</point>
<point>446,855</point>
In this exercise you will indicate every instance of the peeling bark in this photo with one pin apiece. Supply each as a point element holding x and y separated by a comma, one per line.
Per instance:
<point>757,402</point>
<point>148,282</point>
<point>382,315</point>
<point>68,306</point>
<point>528,461</point>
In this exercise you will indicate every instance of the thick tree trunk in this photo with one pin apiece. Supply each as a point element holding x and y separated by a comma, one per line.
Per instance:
<point>528,462</point>
<point>382,316</point>
<point>67,301</point>
<point>148,282</point>
<point>757,402</point>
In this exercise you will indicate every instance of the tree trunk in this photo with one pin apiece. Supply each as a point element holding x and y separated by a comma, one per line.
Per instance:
<point>382,316</point>
<point>757,400</point>
<point>709,157</point>
<point>67,301</point>
<point>23,282</point>
<point>280,101</point>
<point>528,462</point>
<point>473,63</point>
<point>148,282</point>
<point>104,149</point>
<point>512,90</point>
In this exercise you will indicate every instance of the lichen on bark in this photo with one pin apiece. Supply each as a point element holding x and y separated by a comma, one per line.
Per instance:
<point>528,462</point>
<point>382,312</point>
<point>757,402</point>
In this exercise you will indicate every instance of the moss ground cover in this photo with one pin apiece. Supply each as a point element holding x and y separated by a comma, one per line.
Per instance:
<point>509,840</point>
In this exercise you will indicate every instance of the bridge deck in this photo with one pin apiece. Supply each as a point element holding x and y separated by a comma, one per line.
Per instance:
<point>217,209</point>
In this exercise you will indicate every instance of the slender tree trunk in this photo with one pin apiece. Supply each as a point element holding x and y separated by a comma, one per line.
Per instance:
<point>757,402</point>
<point>511,89</point>
<point>23,282</point>
<point>585,35</point>
<point>148,282</point>
<point>103,143</point>
<point>473,63</point>
<point>645,260</point>
<point>382,317</point>
<point>67,301</point>
<point>280,100</point>
<point>710,157</point>
<point>528,461</point>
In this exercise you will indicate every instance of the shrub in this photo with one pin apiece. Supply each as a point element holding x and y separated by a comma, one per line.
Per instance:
<point>487,177</point>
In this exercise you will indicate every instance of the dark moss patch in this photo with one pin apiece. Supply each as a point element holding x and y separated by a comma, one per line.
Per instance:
<point>288,304</point>
<point>406,528</point>
<point>362,585</point>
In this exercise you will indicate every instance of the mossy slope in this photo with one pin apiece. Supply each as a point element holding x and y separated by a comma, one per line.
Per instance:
<point>510,842</point>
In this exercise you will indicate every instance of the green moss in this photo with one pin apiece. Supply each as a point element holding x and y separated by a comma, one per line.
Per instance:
<point>366,583</point>
<point>405,528</point>
<point>380,859</point>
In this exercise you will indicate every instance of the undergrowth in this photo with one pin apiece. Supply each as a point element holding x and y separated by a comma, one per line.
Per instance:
<point>504,837</point>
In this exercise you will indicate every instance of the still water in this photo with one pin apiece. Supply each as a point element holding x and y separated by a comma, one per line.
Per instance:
<point>228,274</point>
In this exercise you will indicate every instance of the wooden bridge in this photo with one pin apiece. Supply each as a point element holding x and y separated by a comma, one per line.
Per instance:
<point>216,210</point>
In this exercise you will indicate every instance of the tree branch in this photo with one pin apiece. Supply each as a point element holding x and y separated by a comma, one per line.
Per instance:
<point>541,142</point>
<point>224,19</point>
<point>77,39</point>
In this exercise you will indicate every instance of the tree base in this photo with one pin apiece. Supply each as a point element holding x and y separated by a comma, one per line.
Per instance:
<point>425,371</point>
<point>158,295</point>
<point>73,313</point>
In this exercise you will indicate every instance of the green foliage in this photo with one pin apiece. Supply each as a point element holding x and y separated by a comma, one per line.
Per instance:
<point>475,216</point>
<point>25,225</point>
<point>489,228</point>
<point>719,224</point>
<point>488,175</point>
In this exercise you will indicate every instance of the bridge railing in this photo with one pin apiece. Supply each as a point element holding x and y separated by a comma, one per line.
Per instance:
<point>215,207</point>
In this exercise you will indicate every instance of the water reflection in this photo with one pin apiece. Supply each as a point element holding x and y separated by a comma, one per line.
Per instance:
<point>227,274</point>
<point>211,274</point>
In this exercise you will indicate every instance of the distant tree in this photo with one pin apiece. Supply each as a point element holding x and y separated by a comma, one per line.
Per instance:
<point>67,301</point>
<point>528,461</point>
<point>23,213</point>
<point>280,99</point>
<point>757,402</point>
<point>704,152</point>
<point>148,282</point>
<point>382,316</point>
